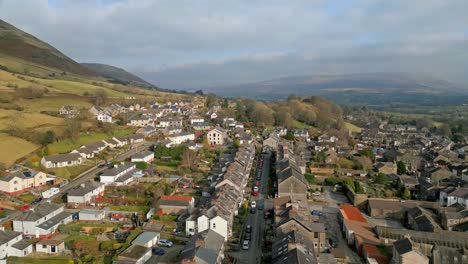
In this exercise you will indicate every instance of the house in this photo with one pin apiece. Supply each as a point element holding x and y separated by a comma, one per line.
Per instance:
<point>140,121</point>
<point>147,239</point>
<point>146,131</point>
<point>435,175</point>
<point>91,215</point>
<point>50,246</point>
<point>301,133</point>
<point>112,143</point>
<point>13,245</point>
<point>201,126</point>
<point>144,156</point>
<point>22,180</point>
<point>120,174</point>
<point>196,119</point>
<point>68,111</point>
<point>42,221</point>
<point>286,248</point>
<point>61,160</point>
<point>216,136</point>
<point>220,225</point>
<point>211,250</point>
<point>452,218</point>
<point>386,167</point>
<point>104,117</point>
<point>271,142</point>
<point>421,219</point>
<point>326,138</point>
<point>176,204</point>
<point>169,122</point>
<point>135,254</point>
<point>85,194</point>
<point>404,252</point>
<point>314,232</point>
<point>96,110</point>
<point>292,183</point>
<point>181,137</point>
<point>135,138</point>
<point>453,195</point>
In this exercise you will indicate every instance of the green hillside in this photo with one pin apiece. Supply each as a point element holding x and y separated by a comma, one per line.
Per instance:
<point>116,74</point>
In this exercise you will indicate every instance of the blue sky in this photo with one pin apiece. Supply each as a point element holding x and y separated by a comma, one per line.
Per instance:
<point>187,44</point>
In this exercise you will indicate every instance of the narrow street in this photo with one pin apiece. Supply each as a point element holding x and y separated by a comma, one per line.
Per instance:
<point>254,253</point>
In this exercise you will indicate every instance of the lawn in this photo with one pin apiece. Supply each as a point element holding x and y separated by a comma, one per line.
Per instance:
<point>71,144</point>
<point>13,148</point>
<point>27,120</point>
<point>300,125</point>
<point>130,208</point>
<point>71,172</point>
<point>8,78</point>
<point>36,260</point>
<point>26,198</point>
<point>54,103</point>
<point>353,128</point>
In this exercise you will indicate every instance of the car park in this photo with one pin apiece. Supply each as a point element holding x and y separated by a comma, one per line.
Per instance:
<point>165,242</point>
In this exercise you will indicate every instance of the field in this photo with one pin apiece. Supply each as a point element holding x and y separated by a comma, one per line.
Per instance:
<point>54,103</point>
<point>352,128</point>
<point>37,260</point>
<point>69,144</point>
<point>27,119</point>
<point>13,148</point>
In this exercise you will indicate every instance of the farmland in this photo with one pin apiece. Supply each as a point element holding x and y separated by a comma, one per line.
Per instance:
<point>14,148</point>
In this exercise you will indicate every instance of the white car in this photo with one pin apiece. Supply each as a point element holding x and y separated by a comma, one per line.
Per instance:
<point>255,189</point>
<point>245,245</point>
<point>165,242</point>
<point>253,204</point>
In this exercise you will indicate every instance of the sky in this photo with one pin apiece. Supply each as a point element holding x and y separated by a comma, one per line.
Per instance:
<point>191,44</point>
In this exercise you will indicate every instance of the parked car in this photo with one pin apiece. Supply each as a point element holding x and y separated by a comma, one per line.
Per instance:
<point>257,183</point>
<point>332,242</point>
<point>248,229</point>
<point>245,245</point>
<point>316,212</point>
<point>253,210</point>
<point>255,193</point>
<point>248,236</point>
<point>158,251</point>
<point>253,204</point>
<point>260,206</point>
<point>165,242</point>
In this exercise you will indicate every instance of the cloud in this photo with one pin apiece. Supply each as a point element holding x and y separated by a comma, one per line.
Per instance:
<point>188,44</point>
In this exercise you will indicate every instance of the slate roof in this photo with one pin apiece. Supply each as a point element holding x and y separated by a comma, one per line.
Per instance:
<point>403,246</point>
<point>211,247</point>
<point>135,252</point>
<point>23,174</point>
<point>143,154</point>
<point>144,238</point>
<point>7,235</point>
<point>117,170</point>
<point>54,220</point>
<point>21,245</point>
<point>62,157</point>
<point>88,187</point>
<point>39,211</point>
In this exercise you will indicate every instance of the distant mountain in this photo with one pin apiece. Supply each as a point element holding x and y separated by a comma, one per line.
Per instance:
<point>19,47</point>
<point>369,88</point>
<point>117,74</point>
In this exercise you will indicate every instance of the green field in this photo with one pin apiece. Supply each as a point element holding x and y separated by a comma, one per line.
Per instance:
<point>13,148</point>
<point>71,144</point>
<point>71,172</point>
<point>43,260</point>
<point>54,103</point>
<point>353,128</point>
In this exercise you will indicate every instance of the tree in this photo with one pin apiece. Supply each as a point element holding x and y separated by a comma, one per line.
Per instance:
<point>289,135</point>
<point>211,100</point>
<point>48,138</point>
<point>405,193</point>
<point>100,97</point>
<point>368,153</point>
<point>358,187</point>
<point>310,178</point>
<point>381,178</point>
<point>189,159</point>
<point>72,127</point>
<point>401,167</point>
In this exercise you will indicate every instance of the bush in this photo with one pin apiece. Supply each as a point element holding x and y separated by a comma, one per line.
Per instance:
<point>141,165</point>
<point>310,178</point>
<point>331,181</point>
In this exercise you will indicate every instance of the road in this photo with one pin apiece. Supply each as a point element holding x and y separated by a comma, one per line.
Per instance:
<point>254,253</point>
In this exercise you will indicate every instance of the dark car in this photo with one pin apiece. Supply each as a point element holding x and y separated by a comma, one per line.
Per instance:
<point>248,236</point>
<point>158,251</point>
<point>253,210</point>
<point>316,212</point>
<point>260,206</point>
<point>248,229</point>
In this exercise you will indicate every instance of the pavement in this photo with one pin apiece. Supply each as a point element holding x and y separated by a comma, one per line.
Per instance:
<point>254,253</point>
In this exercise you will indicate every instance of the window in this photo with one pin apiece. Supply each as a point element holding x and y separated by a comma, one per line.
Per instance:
<point>214,225</point>
<point>316,234</point>
<point>44,246</point>
<point>315,245</point>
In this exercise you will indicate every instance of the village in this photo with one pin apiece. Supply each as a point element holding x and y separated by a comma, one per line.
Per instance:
<point>191,184</point>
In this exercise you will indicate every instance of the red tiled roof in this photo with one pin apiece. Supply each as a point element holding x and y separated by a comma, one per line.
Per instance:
<point>350,212</point>
<point>373,252</point>
<point>177,198</point>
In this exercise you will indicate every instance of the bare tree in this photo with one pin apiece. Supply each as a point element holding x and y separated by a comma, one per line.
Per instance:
<point>189,159</point>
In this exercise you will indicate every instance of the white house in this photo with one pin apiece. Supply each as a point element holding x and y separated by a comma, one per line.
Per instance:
<point>85,193</point>
<point>147,239</point>
<point>196,119</point>
<point>62,160</point>
<point>50,246</point>
<point>13,245</point>
<point>453,195</point>
<point>135,254</point>
<point>220,226</point>
<point>42,221</point>
<point>91,215</point>
<point>141,121</point>
<point>181,137</point>
<point>104,117</point>
<point>120,174</point>
<point>216,136</point>
<point>144,156</point>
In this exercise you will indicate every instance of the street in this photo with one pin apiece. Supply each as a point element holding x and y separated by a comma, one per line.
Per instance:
<point>254,253</point>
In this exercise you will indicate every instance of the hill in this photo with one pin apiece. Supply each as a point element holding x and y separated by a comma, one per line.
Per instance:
<point>371,88</point>
<point>22,52</point>
<point>116,74</point>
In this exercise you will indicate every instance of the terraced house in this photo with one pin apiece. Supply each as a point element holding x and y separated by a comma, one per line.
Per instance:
<point>22,180</point>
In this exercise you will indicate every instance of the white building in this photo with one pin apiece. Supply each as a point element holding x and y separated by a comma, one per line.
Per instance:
<point>50,246</point>
<point>147,239</point>
<point>62,160</point>
<point>91,215</point>
<point>84,194</point>
<point>42,221</point>
<point>104,117</point>
<point>13,245</point>
<point>220,226</point>
<point>216,136</point>
<point>180,138</point>
<point>120,174</point>
<point>144,156</point>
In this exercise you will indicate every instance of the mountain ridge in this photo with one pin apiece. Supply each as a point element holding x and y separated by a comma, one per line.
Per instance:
<point>117,74</point>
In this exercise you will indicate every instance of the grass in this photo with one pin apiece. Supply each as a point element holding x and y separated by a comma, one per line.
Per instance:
<point>353,128</point>
<point>300,125</point>
<point>28,120</point>
<point>71,144</point>
<point>80,237</point>
<point>36,260</point>
<point>26,198</point>
<point>54,103</point>
<point>130,208</point>
<point>13,148</point>
<point>71,172</point>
